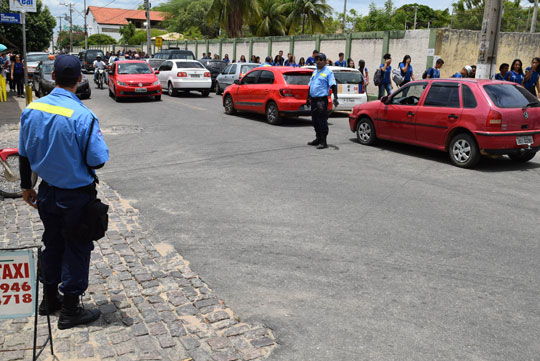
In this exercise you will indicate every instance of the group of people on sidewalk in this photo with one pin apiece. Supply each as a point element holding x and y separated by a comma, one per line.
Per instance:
<point>12,67</point>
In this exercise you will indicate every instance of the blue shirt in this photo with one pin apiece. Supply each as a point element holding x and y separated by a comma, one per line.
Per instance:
<point>434,73</point>
<point>310,61</point>
<point>321,81</point>
<point>226,60</point>
<point>533,80</point>
<point>340,63</point>
<point>516,77</point>
<point>387,75</point>
<point>407,74</point>
<point>506,77</point>
<point>266,64</point>
<point>457,75</point>
<point>287,63</point>
<point>53,135</point>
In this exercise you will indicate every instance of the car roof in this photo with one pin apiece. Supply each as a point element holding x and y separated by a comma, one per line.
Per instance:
<point>131,61</point>
<point>286,69</point>
<point>37,52</point>
<point>183,60</point>
<point>333,68</point>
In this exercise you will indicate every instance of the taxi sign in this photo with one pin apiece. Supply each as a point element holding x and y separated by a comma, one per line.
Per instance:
<point>17,284</point>
<point>159,41</point>
<point>28,6</point>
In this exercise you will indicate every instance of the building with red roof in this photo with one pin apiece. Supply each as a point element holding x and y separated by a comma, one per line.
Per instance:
<point>108,21</point>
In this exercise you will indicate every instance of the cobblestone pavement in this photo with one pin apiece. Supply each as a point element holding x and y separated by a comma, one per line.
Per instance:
<point>154,307</point>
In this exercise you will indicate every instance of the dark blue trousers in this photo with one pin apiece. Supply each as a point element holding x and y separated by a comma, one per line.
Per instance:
<point>65,259</point>
<point>319,116</point>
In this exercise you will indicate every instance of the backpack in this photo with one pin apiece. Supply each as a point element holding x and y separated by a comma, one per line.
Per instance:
<point>377,78</point>
<point>427,72</point>
<point>397,77</point>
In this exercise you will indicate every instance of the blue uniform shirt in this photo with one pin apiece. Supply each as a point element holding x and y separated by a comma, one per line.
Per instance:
<point>53,135</point>
<point>457,75</point>
<point>506,77</point>
<point>321,81</point>
<point>434,73</point>
<point>516,77</point>
<point>406,75</point>
<point>310,61</point>
<point>532,80</point>
<point>266,64</point>
<point>387,75</point>
<point>340,63</point>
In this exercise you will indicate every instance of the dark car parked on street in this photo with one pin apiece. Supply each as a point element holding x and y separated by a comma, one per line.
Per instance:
<point>171,53</point>
<point>215,67</point>
<point>44,84</point>
<point>87,58</point>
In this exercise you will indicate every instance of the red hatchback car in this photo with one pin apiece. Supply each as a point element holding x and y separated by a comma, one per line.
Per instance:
<point>466,118</point>
<point>276,91</point>
<point>133,78</point>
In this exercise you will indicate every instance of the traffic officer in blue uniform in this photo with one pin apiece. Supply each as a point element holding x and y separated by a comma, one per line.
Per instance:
<point>54,134</point>
<point>320,84</point>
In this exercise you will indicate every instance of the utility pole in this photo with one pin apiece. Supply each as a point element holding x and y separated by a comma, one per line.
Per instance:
<point>85,28</point>
<point>70,5</point>
<point>60,19</point>
<point>489,39</point>
<point>148,44</point>
<point>344,13</point>
<point>535,14</point>
<point>415,13</point>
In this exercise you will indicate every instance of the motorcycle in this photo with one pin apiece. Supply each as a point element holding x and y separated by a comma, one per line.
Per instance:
<point>10,180</point>
<point>100,78</point>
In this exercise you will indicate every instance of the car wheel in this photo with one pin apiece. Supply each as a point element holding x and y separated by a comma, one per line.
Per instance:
<point>229,105</point>
<point>205,93</point>
<point>171,90</point>
<point>111,93</point>
<point>464,151</point>
<point>157,98</point>
<point>522,157</point>
<point>36,90</point>
<point>272,113</point>
<point>365,131</point>
<point>218,89</point>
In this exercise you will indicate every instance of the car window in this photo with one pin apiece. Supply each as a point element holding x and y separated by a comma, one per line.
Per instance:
<point>266,77</point>
<point>510,96</point>
<point>134,68</point>
<point>32,58</point>
<point>469,101</point>
<point>297,78</point>
<point>188,64</point>
<point>226,70</point>
<point>48,68</point>
<point>443,94</point>
<point>163,66</point>
<point>251,78</point>
<point>233,69</point>
<point>409,95</point>
<point>348,77</point>
<point>245,68</point>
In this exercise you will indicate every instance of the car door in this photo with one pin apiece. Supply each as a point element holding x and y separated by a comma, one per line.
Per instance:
<point>439,111</point>
<point>221,77</point>
<point>261,89</point>
<point>112,77</point>
<point>397,118</point>
<point>229,79</point>
<point>164,73</point>
<point>244,98</point>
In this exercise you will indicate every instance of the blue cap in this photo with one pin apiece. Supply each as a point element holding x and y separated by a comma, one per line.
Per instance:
<point>67,67</point>
<point>320,55</point>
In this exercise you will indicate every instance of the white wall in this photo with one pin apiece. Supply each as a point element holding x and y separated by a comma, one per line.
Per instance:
<point>303,49</point>
<point>415,43</point>
<point>242,48</point>
<point>280,45</point>
<point>260,49</point>
<point>95,28</point>
<point>331,48</point>
<point>227,48</point>
<point>214,49</point>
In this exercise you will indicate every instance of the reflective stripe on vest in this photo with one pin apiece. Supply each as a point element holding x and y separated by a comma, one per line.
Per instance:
<point>52,109</point>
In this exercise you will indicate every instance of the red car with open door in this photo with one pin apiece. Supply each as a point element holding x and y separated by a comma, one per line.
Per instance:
<point>133,78</point>
<point>276,91</point>
<point>466,118</point>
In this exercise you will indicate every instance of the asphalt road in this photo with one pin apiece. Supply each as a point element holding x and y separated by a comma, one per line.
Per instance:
<point>350,253</point>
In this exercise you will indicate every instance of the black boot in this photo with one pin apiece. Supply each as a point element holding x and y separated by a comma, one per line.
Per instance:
<point>317,139</point>
<point>72,314</point>
<point>322,144</point>
<point>53,297</point>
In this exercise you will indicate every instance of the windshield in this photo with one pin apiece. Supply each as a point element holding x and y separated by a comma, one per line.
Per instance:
<point>348,77</point>
<point>297,78</point>
<point>186,56</point>
<point>36,58</point>
<point>510,96</point>
<point>93,54</point>
<point>48,68</point>
<point>188,64</point>
<point>134,68</point>
<point>245,68</point>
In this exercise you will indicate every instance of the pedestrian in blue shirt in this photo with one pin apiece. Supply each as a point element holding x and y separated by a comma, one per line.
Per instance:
<point>386,81</point>
<point>341,61</point>
<point>365,74</point>
<point>17,74</point>
<point>516,72</point>
<point>311,59</point>
<point>435,72</point>
<point>504,72</point>
<point>532,76</point>
<point>267,62</point>
<point>406,70</point>
<point>464,73</point>
<point>226,59</point>
<point>322,80</point>
<point>291,61</point>
<point>61,141</point>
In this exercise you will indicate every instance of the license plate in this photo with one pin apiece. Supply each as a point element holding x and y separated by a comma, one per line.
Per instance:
<point>195,76</point>
<point>348,100</point>
<point>140,90</point>
<point>526,139</point>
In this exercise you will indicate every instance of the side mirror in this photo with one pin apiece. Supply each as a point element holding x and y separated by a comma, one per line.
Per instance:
<point>237,82</point>
<point>156,72</point>
<point>385,99</point>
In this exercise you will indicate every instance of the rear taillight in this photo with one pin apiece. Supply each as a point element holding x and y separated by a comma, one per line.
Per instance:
<point>494,120</point>
<point>286,92</point>
<point>85,63</point>
<point>182,74</point>
<point>207,74</point>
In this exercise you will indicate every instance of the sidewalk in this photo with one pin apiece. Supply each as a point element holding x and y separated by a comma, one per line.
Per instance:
<point>154,307</point>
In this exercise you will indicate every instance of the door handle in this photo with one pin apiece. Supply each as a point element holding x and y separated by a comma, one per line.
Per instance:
<point>410,114</point>
<point>453,116</point>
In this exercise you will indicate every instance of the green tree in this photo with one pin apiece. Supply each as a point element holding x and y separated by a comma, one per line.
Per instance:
<point>194,15</point>
<point>127,32</point>
<point>62,41</point>
<point>140,36</point>
<point>232,14</point>
<point>101,39</point>
<point>271,20</point>
<point>39,28</point>
<point>308,15</point>
<point>468,14</point>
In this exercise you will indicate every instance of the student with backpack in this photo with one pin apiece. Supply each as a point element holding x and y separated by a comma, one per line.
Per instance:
<point>434,73</point>
<point>406,70</point>
<point>383,76</point>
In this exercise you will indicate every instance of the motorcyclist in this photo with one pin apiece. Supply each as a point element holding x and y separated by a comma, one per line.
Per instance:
<point>100,64</point>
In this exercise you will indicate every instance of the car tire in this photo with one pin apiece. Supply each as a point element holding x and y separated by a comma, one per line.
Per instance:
<point>272,113</point>
<point>228,104</point>
<point>463,151</point>
<point>522,157</point>
<point>218,89</point>
<point>365,131</point>
<point>157,98</point>
<point>205,93</point>
<point>111,93</point>
<point>170,90</point>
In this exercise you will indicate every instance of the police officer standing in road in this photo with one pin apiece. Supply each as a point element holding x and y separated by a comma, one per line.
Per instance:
<point>57,132</point>
<point>320,84</point>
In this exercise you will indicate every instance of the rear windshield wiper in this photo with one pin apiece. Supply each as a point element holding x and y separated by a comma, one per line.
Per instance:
<point>531,105</point>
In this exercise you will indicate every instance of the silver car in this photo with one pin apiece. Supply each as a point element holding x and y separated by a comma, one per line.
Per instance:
<point>232,72</point>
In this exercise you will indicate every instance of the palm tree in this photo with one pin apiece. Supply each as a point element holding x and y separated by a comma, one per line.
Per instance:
<point>230,14</point>
<point>271,20</point>
<point>308,13</point>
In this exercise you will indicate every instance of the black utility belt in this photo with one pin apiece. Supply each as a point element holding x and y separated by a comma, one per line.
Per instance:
<point>89,188</point>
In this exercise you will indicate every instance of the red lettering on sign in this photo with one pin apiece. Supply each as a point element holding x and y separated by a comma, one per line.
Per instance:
<point>18,270</point>
<point>6,274</point>
<point>26,271</point>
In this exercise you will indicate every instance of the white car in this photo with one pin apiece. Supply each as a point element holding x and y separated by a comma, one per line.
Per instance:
<point>32,61</point>
<point>349,81</point>
<point>184,75</point>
